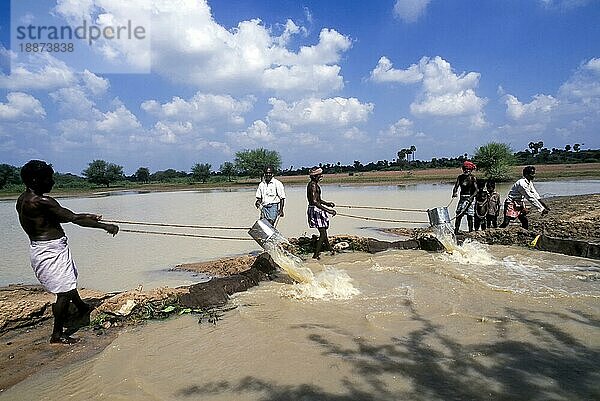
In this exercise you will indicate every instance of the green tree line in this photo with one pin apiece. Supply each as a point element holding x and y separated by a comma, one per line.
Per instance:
<point>493,159</point>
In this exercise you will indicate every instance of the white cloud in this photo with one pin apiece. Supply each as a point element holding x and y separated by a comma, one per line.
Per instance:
<point>541,104</point>
<point>443,93</point>
<point>189,46</point>
<point>410,10</point>
<point>259,130</point>
<point>202,107</point>
<point>584,85</point>
<point>593,65</point>
<point>120,120</point>
<point>21,106</point>
<point>402,128</point>
<point>354,134</point>
<point>74,102</point>
<point>40,71</point>
<point>167,132</point>
<point>335,112</point>
<point>384,72</point>
<point>95,84</point>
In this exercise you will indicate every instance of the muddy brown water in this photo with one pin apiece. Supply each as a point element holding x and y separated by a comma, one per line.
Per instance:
<point>492,323</point>
<point>129,260</point>
<point>484,323</point>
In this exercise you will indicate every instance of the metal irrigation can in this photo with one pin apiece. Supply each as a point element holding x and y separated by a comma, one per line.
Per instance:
<point>265,234</point>
<point>438,216</point>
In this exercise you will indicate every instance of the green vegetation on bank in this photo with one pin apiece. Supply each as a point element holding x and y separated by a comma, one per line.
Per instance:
<point>495,160</point>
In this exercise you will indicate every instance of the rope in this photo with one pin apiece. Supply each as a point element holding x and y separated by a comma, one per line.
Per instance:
<point>174,225</point>
<point>382,208</point>
<point>185,235</point>
<point>385,220</point>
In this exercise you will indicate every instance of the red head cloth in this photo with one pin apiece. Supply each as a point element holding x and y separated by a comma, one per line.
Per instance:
<point>469,165</point>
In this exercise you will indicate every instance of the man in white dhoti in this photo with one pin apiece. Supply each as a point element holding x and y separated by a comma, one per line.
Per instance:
<point>41,217</point>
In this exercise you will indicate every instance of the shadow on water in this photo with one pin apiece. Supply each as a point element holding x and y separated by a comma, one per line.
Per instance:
<point>552,366</point>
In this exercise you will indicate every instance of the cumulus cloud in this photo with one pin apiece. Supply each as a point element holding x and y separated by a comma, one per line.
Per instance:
<point>573,113</point>
<point>73,101</point>
<point>202,107</point>
<point>21,106</point>
<point>410,10</point>
<point>119,120</point>
<point>38,71</point>
<point>584,85</point>
<point>95,84</point>
<point>169,132</point>
<point>401,129</point>
<point>336,112</point>
<point>541,104</point>
<point>384,72</point>
<point>189,46</point>
<point>442,93</point>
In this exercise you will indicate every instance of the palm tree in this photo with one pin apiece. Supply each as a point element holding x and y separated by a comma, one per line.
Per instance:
<point>413,149</point>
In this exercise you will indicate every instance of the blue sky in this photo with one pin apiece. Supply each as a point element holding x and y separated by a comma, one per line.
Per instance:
<point>318,81</point>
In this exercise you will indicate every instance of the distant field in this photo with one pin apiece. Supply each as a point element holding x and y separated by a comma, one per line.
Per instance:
<point>544,172</point>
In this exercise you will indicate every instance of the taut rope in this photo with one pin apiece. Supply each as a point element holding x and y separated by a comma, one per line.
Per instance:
<point>185,235</point>
<point>139,223</point>
<point>382,208</point>
<point>384,220</point>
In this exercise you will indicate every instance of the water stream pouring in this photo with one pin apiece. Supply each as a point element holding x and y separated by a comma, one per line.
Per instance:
<point>439,218</point>
<point>271,241</point>
<point>266,235</point>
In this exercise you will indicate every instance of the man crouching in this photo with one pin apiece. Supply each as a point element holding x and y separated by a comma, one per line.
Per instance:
<point>41,217</point>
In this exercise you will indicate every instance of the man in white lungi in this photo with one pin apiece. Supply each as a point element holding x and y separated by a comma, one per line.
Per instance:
<point>271,196</point>
<point>41,217</point>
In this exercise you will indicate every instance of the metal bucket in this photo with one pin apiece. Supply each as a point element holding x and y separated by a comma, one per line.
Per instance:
<point>265,234</point>
<point>438,216</point>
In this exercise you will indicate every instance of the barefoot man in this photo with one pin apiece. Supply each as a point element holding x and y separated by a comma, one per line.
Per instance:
<point>318,210</point>
<point>41,217</point>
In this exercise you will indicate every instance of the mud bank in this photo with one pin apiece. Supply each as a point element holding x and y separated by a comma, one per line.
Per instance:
<point>571,228</point>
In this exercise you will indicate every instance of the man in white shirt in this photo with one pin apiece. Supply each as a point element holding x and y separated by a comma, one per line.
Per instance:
<point>523,189</point>
<point>271,196</point>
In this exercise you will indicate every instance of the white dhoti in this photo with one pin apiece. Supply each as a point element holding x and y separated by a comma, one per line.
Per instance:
<point>53,265</point>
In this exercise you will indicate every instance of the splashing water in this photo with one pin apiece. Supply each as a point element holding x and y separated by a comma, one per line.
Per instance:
<point>445,234</point>
<point>470,253</point>
<point>331,283</point>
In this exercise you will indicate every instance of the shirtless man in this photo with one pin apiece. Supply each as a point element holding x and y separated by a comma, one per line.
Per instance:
<point>318,210</point>
<point>468,190</point>
<point>41,217</point>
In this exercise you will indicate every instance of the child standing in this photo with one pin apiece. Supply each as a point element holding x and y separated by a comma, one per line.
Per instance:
<point>481,205</point>
<point>493,204</point>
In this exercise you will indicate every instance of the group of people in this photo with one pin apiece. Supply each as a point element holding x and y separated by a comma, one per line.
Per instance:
<point>41,217</point>
<point>480,201</point>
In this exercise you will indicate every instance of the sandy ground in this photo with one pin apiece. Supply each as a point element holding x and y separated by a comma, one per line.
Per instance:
<point>25,311</point>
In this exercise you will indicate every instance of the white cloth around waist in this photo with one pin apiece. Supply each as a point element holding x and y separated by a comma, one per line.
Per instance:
<point>53,265</point>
